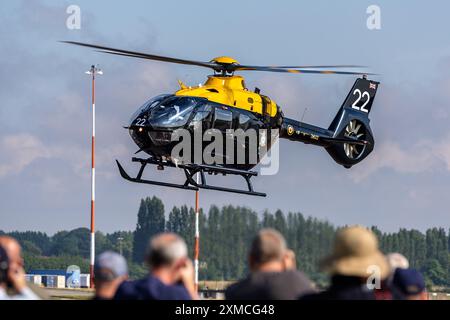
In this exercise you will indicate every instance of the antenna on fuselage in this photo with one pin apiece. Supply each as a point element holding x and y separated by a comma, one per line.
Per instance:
<point>303,115</point>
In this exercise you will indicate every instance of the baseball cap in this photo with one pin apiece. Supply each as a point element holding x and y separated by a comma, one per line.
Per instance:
<point>409,281</point>
<point>110,265</point>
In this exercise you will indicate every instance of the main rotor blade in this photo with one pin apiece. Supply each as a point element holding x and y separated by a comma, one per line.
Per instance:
<point>299,70</point>
<point>224,66</point>
<point>308,67</point>
<point>144,55</point>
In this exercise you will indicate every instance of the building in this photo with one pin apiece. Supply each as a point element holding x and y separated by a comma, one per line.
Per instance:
<point>54,278</point>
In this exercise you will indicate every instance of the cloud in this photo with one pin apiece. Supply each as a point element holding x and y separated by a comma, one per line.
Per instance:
<point>48,94</point>
<point>22,149</point>
<point>442,151</point>
<point>18,151</point>
<point>423,156</point>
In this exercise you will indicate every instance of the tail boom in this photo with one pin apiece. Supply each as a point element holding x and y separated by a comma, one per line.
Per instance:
<point>349,138</point>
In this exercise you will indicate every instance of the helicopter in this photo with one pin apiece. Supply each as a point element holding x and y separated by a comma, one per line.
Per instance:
<point>224,103</point>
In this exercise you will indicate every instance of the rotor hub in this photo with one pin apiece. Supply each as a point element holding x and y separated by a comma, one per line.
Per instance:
<point>225,60</point>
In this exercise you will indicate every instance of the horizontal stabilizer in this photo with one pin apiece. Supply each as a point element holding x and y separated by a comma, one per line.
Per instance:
<point>347,140</point>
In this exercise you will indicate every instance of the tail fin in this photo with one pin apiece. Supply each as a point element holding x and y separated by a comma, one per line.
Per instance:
<point>352,120</point>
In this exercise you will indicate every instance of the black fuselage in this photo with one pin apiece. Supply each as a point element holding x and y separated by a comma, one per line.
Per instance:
<point>152,128</point>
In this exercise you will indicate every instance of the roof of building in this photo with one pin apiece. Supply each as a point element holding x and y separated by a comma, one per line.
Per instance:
<point>49,272</point>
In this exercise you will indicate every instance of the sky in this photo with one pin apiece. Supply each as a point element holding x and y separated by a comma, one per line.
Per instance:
<point>45,117</point>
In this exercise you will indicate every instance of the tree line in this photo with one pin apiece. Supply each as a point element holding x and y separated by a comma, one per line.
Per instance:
<point>225,236</point>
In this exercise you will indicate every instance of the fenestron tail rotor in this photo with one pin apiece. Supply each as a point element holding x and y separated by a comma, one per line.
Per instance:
<point>355,130</point>
<point>227,65</point>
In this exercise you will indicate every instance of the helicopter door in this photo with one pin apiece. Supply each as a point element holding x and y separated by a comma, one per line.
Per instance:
<point>223,119</point>
<point>202,118</point>
<point>250,124</point>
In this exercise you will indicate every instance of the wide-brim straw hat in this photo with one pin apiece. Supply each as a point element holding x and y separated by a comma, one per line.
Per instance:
<point>356,254</point>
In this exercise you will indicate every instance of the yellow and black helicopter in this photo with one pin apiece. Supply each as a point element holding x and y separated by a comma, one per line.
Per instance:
<point>224,103</point>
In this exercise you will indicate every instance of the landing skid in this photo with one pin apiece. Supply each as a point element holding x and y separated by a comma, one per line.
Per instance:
<point>190,170</point>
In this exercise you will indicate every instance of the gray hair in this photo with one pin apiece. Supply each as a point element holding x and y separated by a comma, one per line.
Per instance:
<point>397,261</point>
<point>164,249</point>
<point>268,245</point>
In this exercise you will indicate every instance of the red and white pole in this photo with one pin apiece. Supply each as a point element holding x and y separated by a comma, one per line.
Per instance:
<point>197,237</point>
<point>93,72</point>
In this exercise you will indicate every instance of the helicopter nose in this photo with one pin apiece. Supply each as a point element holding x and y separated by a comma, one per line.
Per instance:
<point>139,136</point>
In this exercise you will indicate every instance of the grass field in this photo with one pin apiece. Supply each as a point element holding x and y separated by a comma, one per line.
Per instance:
<point>69,294</point>
<point>86,294</point>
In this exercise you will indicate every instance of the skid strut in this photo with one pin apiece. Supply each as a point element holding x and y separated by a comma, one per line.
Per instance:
<point>190,170</point>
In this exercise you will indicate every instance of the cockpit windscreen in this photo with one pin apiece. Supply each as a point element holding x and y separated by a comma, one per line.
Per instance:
<point>173,112</point>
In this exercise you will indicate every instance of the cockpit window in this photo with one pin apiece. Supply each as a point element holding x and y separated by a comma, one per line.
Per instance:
<point>172,112</point>
<point>223,119</point>
<point>148,105</point>
<point>202,113</point>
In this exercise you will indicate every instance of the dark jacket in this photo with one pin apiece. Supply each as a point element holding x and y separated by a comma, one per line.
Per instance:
<point>344,288</point>
<point>287,285</point>
<point>151,288</point>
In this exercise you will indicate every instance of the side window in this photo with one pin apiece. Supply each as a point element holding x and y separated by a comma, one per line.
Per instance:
<point>202,113</point>
<point>202,118</point>
<point>244,121</point>
<point>223,119</point>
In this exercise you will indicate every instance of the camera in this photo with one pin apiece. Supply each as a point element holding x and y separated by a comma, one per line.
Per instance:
<point>4,266</point>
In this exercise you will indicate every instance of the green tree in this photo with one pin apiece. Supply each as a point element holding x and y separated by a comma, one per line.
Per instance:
<point>225,237</point>
<point>175,222</point>
<point>122,241</point>
<point>30,248</point>
<point>151,220</point>
<point>73,243</point>
<point>434,271</point>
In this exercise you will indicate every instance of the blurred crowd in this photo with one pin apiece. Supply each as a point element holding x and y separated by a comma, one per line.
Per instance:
<point>358,270</point>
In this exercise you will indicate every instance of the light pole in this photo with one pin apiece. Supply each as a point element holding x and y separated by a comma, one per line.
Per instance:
<point>93,72</point>
<point>119,239</point>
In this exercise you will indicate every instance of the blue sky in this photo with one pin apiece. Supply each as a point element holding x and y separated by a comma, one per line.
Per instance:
<point>45,115</point>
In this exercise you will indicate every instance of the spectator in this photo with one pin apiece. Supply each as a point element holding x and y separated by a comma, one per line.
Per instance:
<point>354,258</point>
<point>290,262</point>
<point>397,260</point>
<point>171,274</point>
<point>411,283</point>
<point>273,275</point>
<point>110,270</point>
<point>389,290</point>
<point>13,285</point>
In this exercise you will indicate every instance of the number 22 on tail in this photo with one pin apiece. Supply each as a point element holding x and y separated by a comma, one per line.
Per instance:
<point>361,95</point>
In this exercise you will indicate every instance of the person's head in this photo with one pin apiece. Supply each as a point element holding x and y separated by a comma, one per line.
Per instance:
<point>290,261</point>
<point>110,267</point>
<point>13,251</point>
<point>397,261</point>
<point>268,251</point>
<point>110,270</point>
<point>166,255</point>
<point>356,254</point>
<point>411,283</point>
